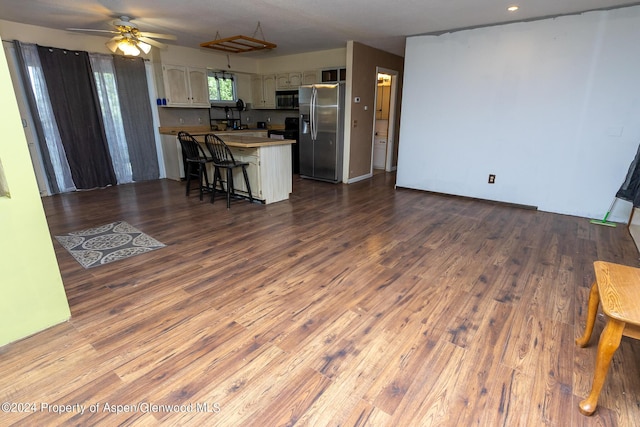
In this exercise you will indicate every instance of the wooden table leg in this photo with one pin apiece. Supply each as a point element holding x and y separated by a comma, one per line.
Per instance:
<point>607,346</point>
<point>594,300</point>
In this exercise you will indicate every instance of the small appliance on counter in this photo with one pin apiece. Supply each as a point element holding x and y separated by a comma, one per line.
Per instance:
<point>262,125</point>
<point>233,124</point>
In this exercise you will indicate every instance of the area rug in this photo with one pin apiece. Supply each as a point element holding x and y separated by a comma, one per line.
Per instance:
<point>107,243</point>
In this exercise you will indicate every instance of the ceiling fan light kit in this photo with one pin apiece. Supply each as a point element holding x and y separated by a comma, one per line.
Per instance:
<point>129,39</point>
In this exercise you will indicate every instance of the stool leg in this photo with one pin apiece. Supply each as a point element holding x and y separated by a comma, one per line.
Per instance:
<point>200,176</point>
<point>188,173</point>
<point>607,346</point>
<point>594,300</point>
<point>246,181</point>
<point>216,178</point>
<point>229,186</point>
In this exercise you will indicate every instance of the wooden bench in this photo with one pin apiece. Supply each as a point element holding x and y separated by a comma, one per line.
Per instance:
<point>617,287</point>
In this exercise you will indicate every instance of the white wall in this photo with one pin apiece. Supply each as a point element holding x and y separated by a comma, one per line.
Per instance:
<point>304,61</point>
<point>551,107</point>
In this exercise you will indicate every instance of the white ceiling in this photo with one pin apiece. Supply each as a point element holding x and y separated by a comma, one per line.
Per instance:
<point>296,26</point>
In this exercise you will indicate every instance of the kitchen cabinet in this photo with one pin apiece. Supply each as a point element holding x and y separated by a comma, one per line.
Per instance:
<point>288,80</point>
<point>172,154</point>
<point>263,91</point>
<point>248,155</point>
<point>269,169</point>
<point>334,75</point>
<point>186,86</point>
<point>269,161</point>
<point>309,77</point>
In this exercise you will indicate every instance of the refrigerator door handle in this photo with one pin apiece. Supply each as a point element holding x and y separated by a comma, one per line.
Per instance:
<point>312,118</point>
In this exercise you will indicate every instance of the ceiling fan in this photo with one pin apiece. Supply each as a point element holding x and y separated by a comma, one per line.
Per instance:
<point>129,39</point>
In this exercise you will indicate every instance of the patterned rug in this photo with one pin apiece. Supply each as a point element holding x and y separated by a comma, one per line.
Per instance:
<point>107,243</point>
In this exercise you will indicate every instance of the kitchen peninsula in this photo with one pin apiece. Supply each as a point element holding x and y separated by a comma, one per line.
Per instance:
<point>269,160</point>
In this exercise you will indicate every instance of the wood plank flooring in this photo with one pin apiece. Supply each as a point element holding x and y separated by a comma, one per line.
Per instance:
<point>348,305</point>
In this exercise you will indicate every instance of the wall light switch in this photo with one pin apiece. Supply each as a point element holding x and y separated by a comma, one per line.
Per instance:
<point>366,107</point>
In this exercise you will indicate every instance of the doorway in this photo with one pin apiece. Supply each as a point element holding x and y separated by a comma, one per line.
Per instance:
<point>384,119</point>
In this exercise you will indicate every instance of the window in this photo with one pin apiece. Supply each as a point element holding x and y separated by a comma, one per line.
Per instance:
<point>222,87</point>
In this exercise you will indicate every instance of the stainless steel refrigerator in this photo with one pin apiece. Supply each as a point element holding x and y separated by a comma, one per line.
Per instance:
<point>321,131</point>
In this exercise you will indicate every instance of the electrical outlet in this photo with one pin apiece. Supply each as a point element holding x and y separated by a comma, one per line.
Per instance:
<point>181,121</point>
<point>492,179</point>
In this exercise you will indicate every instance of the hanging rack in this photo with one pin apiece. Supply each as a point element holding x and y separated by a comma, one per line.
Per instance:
<point>239,44</point>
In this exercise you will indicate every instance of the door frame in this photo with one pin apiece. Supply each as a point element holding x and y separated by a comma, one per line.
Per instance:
<point>392,117</point>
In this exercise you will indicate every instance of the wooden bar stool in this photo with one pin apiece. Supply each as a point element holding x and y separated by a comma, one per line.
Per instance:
<point>617,287</point>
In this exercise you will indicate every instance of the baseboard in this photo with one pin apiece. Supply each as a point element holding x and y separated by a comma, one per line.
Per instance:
<point>496,202</point>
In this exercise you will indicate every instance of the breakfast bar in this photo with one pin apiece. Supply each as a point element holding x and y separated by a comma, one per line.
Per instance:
<point>269,161</point>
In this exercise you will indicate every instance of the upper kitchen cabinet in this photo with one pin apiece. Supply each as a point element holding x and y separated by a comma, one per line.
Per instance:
<point>288,80</point>
<point>263,91</point>
<point>334,75</point>
<point>186,86</point>
<point>309,77</point>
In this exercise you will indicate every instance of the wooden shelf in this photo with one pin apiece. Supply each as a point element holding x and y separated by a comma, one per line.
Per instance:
<point>238,44</point>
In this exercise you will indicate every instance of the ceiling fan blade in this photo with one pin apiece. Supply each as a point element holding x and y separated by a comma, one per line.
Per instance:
<point>152,42</point>
<point>93,30</point>
<point>117,38</point>
<point>158,36</point>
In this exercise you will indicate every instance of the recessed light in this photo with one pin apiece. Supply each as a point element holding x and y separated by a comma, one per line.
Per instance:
<point>513,8</point>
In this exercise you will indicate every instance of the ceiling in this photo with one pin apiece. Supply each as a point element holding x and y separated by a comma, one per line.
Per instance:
<point>295,26</point>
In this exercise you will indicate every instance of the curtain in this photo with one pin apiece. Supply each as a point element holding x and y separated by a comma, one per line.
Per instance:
<point>630,189</point>
<point>137,117</point>
<point>46,129</point>
<point>75,105</point>
<point>105,79</point>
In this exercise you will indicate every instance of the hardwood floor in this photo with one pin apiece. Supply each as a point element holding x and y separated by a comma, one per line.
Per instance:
<point>344,306</point>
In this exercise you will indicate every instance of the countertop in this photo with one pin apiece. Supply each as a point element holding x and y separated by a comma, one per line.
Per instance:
<point>173,130</point>
<point>246,141</point>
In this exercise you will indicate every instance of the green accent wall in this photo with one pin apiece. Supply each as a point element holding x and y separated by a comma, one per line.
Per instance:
<point>32,296</point>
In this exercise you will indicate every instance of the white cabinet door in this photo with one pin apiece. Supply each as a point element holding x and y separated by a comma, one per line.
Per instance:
<point>309,77</point>
<point>288,80</point>
<point>263,91</point>
<point>248,155</point>
<point>172,154</point>
<point>269,90</point>
<point>186,86</point>
<point>175,85</point>
<point>295,79</point>
<point>199,87</point>
<point>282,81</point>
<point>257,92</point>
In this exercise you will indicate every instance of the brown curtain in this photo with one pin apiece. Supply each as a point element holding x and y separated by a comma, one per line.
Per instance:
<point>76,108</point>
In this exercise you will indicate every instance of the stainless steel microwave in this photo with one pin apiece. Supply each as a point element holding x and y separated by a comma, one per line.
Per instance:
<point>287,99</point>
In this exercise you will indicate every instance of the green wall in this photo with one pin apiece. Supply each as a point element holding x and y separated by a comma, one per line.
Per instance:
<point>32,296</point>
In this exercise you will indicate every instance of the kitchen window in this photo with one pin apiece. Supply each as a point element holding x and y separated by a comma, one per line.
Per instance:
<point>222,87</point>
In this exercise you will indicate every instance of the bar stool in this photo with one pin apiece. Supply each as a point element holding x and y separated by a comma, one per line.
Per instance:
<point>194,157</point>
<point>223,159</point>
<point>617,287</point>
